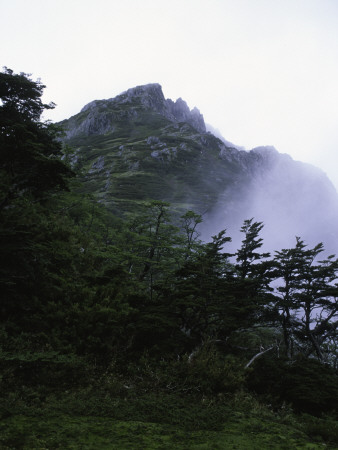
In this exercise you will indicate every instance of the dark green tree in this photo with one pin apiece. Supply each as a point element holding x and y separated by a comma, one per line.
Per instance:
<point>307,300</point>
<point>288,264</point>
<point>202,292</point>
<point>189,223</point>
<point>31,170</point>
<point>30,158</point>
<point>248,256</point>
<point>253,271</point>
<point>251,278</point>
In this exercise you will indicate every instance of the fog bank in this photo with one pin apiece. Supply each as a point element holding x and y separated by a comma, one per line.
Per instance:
<point>291,198</point>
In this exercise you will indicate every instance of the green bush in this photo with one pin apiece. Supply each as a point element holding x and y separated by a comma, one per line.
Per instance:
<point>308,385</point>
<point>207,372</point>
<point>210,372</point>
<point>320,429</point>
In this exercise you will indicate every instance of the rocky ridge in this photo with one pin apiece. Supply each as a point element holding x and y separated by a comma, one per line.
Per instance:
<point>147,97</point>
<point>140,146</point>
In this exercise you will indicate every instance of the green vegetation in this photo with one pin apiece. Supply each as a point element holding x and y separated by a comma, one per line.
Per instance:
<point>126,331</point>
<point>140,155</point>
<point>98,432</point>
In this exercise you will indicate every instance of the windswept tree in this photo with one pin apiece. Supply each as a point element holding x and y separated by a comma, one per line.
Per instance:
<point>307,300</point>
<point>189,223</point>
<point>251,278</point>
<point>253,270</point>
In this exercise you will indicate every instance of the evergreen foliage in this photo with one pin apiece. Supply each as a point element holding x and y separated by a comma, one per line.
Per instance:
<point>91,301</point>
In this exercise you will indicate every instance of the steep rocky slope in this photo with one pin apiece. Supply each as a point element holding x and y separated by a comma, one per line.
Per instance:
<point>140,146</point>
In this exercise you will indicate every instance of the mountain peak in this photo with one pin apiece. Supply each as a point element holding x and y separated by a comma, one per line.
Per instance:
<point>148,97</point>
<point>179,112</point>
<point>151,96</point>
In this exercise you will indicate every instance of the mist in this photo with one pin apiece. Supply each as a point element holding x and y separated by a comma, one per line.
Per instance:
<point>291,198</point>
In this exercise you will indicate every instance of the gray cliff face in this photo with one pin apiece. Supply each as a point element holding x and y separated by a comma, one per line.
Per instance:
<point>151,97</point>
<point>179,112</point>
<point>93,124</point>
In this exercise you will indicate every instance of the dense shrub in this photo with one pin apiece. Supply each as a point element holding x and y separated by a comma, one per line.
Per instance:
<point>307,384</point>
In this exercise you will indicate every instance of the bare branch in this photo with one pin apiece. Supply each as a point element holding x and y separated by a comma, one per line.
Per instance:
<point>258,355</point>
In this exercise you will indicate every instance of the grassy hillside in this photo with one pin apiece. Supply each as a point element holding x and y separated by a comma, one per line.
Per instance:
<point>163,423</point>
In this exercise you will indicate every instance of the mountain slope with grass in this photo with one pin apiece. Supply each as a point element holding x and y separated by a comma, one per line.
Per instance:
<point>140,146</point>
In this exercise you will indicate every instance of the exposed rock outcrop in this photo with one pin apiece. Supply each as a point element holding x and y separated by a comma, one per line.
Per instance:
<point>102,116</point>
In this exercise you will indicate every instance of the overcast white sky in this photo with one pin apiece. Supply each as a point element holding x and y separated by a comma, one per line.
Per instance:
<point>264,72</point>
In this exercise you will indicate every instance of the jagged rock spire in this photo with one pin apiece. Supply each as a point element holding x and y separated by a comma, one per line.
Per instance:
<point>150,96</point>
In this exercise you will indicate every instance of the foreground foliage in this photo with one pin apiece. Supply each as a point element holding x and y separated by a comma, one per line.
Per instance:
<point>92,418</point>
<point>136,320</point>
<point>92,433</point>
